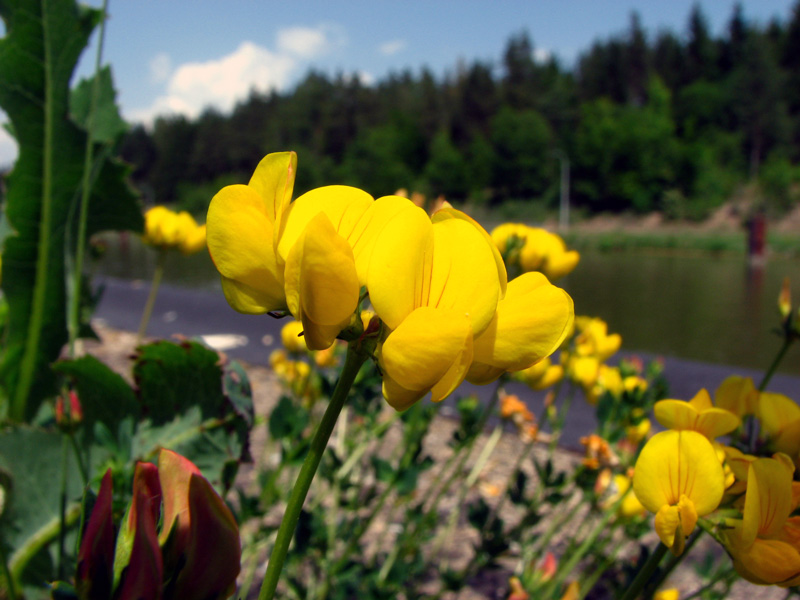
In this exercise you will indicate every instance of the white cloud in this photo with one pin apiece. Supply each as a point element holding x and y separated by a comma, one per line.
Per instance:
<point>302,41</point>
<point>392,47</point>
<point>160,68</point>
<point>541,55</point>
<point>220,83</point>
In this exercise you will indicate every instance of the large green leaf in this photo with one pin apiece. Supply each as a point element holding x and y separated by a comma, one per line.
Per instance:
<point>43,41</point>
<point>32,460</point>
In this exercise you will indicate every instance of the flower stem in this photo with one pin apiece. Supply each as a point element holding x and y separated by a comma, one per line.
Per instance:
<point>644,574</point>
<point>151,299</point>
<point>787,341</point>
<point>356,357</point>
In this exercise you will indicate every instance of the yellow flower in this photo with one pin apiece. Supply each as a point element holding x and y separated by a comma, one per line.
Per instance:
<point>636,433</point>
<point>165,228</point>
<point>679,478</point>
<point>669,594</point>
<point>593,338</point>
<point>534,249</point>
<point>697,415</point>
<point>630,506</point>
<point>780,422</point>
<point>435,284</point>
<point>292,337</point>
<point>439,285</point>
<point>541,375</point>
<point>243,224</point>
<point>764,545</point>
<point>738,395</point>
<point>309,256</point>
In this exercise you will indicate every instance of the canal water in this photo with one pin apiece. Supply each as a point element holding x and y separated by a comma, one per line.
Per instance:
<point>700,307</point>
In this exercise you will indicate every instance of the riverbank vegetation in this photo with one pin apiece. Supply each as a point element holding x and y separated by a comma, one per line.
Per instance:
<point>675,122</point>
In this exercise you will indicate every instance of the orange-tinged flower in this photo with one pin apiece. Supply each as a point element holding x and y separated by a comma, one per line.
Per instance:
<point>598,452</point>
<point>517,592</point>
<point>764,545</point>
<point>679,477</point>
<point>697,415</point>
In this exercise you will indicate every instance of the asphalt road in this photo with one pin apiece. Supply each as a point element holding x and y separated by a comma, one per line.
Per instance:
<point>252,338</point>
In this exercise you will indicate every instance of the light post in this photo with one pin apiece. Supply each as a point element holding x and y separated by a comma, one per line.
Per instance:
<point>563,209</point>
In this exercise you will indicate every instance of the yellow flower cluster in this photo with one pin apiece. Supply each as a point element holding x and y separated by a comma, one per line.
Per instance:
<point>164,228</point>
<point>293,367</point>
<point>534,249</point>
<point>437,283</point>
<point>684,474</point>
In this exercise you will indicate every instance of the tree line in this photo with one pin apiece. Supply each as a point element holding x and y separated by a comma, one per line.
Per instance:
<point>664,121</point>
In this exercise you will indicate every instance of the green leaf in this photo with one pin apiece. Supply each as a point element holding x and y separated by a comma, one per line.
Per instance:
<point>38,54</point>
<point>32,459</point>
<point>174,377</point>
<point>107,126</point>
<point>287,420</point>
<point>104,395</point>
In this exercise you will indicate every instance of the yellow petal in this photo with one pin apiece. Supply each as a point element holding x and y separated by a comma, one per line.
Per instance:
<point>249,300</point>
<point>768,562</point>
<point>464,275</point>
<point>452,213</point>
<point>321,283</point>
<point>273,181</point>
<point>666,524</point>
<point>776,411</point>
<point>737,394</point>
<point>561,264</point>
<point>529,324</point>
<point>194,241</point>
<point>675,463</point>
<point>432,348</point>
<point>400,258</point>
<point>239,236</point>
<point>697,415</point>
<point>768,501</point>
<point>343,205</point>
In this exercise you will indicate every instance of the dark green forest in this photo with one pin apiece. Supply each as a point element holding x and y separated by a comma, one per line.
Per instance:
<point>676,122</point>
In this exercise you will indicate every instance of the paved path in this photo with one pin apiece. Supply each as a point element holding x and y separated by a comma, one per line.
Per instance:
<point>252,339</point>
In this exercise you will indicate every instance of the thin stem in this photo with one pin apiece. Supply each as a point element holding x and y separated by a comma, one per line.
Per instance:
<point>653,585</point>
<point>63,506</point>
<point>356,357</point>
<point>151,299</point>
<point>83,213</point>
<point>644,574</point>
<point>787,341</point>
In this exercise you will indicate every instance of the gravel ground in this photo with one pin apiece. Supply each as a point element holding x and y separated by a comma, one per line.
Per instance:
<point>116,347</point>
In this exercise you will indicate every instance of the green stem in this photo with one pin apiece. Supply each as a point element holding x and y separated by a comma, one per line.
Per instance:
<point>567,567</point>
<point>653,585</point>
<point>645,573</point>
<point>63,506</point>
<point>43,536</point>
<point>787,341</point>
<point>151,299</point>
<point>83,213</point>
<point>355,358</point>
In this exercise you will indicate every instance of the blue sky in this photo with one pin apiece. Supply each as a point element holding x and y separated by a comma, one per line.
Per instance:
<point>180,56</point>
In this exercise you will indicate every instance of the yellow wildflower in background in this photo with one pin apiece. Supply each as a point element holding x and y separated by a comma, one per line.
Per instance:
<point>541,375</point>
<point>679,478</point>
<point>164,228</point>
<point>534,249</point>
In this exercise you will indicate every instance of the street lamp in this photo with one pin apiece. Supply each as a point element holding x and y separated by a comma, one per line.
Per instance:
<point>563,209</point>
